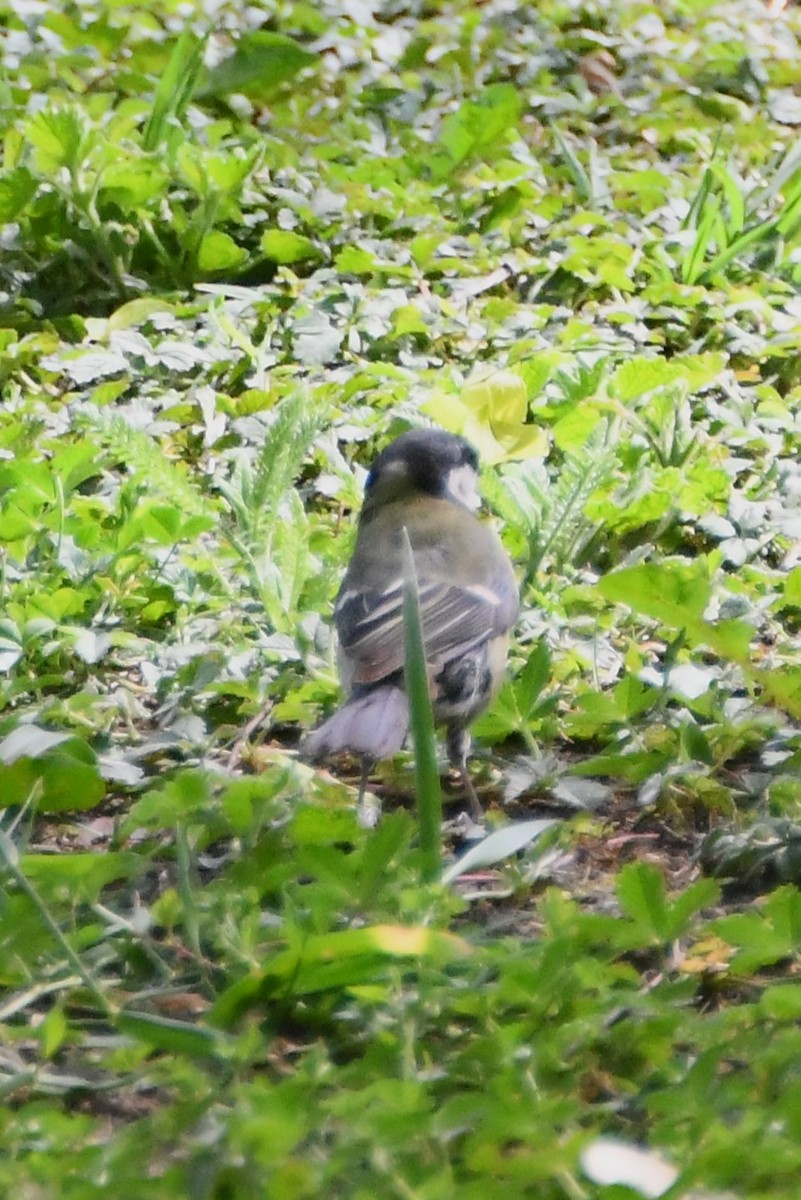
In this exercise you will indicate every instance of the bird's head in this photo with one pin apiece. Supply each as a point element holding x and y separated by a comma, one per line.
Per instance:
<point>425,462</point>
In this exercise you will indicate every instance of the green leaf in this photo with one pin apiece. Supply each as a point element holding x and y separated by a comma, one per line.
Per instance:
<point>642,375</point>
<point>68,782</point>
<point>783,687</point>
<point>475,129</point>
<point>520,703</point>
<point>704,893</point>
<point>63,768</point>
<point>171,1036</point>
<point>407,319</point>
<point>781,1002</point>
<point>59,139</point>
<point>641,891</point>
<point>177,799</point>
<point>282,246</point>
<point>219,252</point>
<point>17,187</point>
<point>355,260</point>
<point>676,593</point>
<point>336,961</point>
<point>766,937</point>
<point>79,877</point>
<point>260,62</point>
<point>161,523</point>
<point>132,185</point>
<point>791,591</point>
<point>620,705</point>
<point>53,1031</point>
<point>757,945</point>
<point>695,744</point>
<point>536,674</point>
<point>757,233</point>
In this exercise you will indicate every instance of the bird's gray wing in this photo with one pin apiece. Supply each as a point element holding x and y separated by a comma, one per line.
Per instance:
<point>370,623</point>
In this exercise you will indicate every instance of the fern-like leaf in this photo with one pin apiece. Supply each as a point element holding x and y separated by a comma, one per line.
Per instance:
<point>565,531</point>
<point>549,510</point>
<point>254,492</point>
<point>147,464</point>
<point>263,507</point>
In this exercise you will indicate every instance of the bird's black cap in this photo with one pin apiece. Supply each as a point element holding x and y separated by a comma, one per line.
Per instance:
<point>425,457</point>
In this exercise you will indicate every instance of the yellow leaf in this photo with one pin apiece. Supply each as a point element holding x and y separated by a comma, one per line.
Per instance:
<point>491,414</point>
<point>448,411</point>
<point>403,940</point>
<point>501,396</point>
<point>521,441</point>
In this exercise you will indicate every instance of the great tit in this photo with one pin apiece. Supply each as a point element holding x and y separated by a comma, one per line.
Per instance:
<point>425,482</point>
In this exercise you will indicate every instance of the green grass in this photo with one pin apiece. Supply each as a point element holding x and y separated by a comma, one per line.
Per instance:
<point>240,251</point>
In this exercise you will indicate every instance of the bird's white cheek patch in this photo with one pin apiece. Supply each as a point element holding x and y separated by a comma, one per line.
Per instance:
<point>463,487</point>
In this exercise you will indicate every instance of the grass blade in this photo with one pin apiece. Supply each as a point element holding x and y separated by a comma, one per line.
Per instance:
<point>692,266</point>
<point>759,233</point>
<point>429,794</point>
<point>734,199</point>
<point>175,88</point>
<point>582,182</point>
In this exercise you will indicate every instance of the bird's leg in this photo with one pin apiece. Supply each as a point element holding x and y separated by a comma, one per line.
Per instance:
<point>368,813</point>
<point>476,811</point>
<point>366,765</point>
<point>457,740</point>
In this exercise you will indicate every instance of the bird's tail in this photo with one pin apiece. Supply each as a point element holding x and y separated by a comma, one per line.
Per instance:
<point>373,725</point>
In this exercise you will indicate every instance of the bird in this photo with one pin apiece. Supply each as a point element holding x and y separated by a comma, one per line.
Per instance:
<point>424,482</point>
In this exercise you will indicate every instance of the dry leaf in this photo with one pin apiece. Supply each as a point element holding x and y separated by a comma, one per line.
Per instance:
<point>598,71</point>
